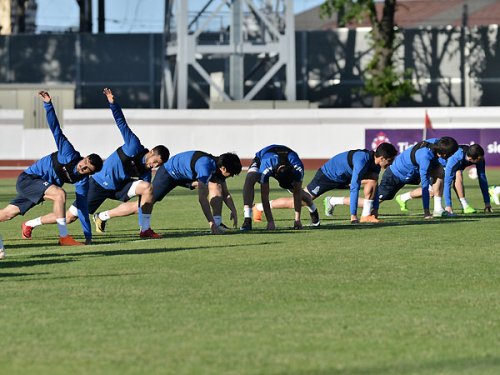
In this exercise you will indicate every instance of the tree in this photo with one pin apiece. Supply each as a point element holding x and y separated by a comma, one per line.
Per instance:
<point>382,80</point>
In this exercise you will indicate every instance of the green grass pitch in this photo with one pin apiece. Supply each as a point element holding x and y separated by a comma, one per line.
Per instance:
<point>408,296</point>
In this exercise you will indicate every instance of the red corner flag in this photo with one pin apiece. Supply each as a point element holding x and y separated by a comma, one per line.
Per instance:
<point>428,123</point>
<point>427,126</point>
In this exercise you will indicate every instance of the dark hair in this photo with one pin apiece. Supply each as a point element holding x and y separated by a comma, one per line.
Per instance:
<point>96,161</point>
<point>231,162</point>
<point>475,151</point>
<point>162,151</point>
<point>386,150</point>
<point>446,146</point>
<point>284,174</point>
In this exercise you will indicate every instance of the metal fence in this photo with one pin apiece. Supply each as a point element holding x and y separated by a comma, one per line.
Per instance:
<point>451,66</point>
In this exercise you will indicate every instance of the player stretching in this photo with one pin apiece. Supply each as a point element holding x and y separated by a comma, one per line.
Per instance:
<point>347,170</point>
<point>465,156</point>
<point>196,169</point>
<point>416,165</point>
<point>45,178</point>
<point>125,174</point>
<point>285,166</point>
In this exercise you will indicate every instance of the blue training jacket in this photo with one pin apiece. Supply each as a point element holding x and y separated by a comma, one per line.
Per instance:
<point>404,169</point>
<point>337,169</point>
<point>113,175</point>
<point>269,161</point>
<point>44,168</point>
<point>458,162</point>
<point>179,167</point>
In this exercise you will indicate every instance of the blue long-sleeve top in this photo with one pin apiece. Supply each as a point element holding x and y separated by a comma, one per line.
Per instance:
<point>179,167</point>
<point>66,153</point>
<point>405,170</point>
<point>458,162</point>
<point>113,175</point>
<point>270,161</point>
<point>338,169</point>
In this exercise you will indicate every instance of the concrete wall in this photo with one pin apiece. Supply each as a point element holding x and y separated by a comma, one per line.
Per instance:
<point>11,134</point>
<point>313,133</point>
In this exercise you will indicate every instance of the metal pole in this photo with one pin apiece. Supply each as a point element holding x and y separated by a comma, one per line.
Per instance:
<point>101,17</point>
<point>182,54</point>
<point>465,58</point>
<point>236,58</point>
<point>291,86</point>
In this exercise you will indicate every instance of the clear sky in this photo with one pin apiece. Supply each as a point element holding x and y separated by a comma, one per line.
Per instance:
<point>122,16</point>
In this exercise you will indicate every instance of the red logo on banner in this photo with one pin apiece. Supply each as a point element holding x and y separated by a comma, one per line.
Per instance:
<point>381,137</point>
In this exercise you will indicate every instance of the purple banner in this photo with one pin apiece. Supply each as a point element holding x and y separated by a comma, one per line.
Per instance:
<point>402,139</point>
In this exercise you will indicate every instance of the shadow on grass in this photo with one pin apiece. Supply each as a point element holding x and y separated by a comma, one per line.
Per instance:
<point>31,244</point>
<point>458,365</point>
<point>143,251</point>
<point>69,277</point>
<point>30,263</point>
<point>2,275</point>
<point>401,223</point>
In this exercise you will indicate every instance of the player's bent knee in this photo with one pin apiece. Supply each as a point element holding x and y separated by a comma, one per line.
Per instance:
<point>6,216</point>
<point>71,214</point>
<point>59,195</point>
<point>147,190</point>
<point>136,188</point>
<point>369,182</point>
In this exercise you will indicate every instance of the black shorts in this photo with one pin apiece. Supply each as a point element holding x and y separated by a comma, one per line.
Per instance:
<point>164,183</point>
<point>97,194</point>
<point>30,191</point>
<point>254,165</point>
<point>321,184</point>
<point>391,184</point>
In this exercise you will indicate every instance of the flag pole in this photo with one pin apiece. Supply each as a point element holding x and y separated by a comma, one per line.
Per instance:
<point>424,133</point>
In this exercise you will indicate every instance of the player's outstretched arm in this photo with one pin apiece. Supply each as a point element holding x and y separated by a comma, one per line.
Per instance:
<point>205,207</point>
<point>132,143</point>
<point>297,204</point>
<point>264,196</point>
<point>81,192</point>
<point>228,200</point>
<point>64,146</point>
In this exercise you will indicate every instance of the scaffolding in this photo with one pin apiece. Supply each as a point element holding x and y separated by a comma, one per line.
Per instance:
<point>232,30</point>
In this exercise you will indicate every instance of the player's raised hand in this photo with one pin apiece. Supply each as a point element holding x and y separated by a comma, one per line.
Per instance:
<point>109,95</point>
<point>45,96</point>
